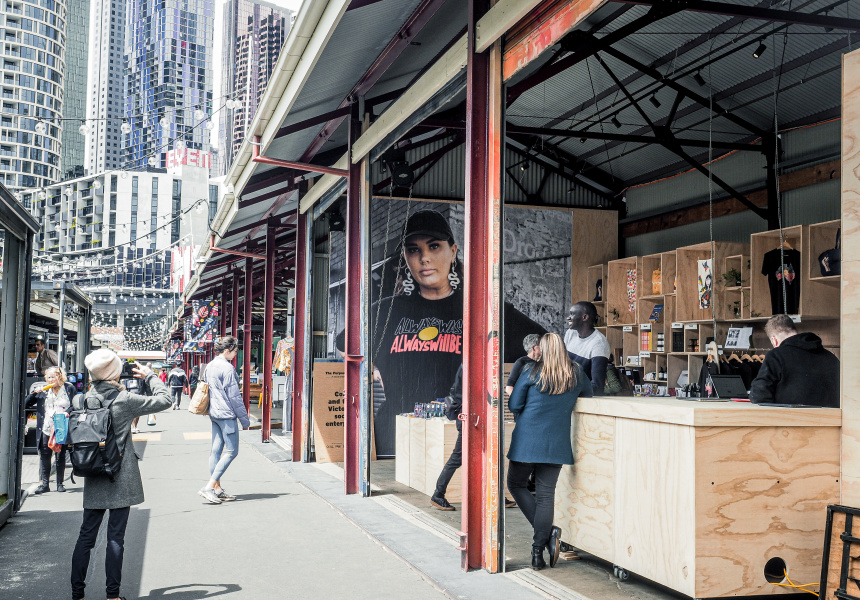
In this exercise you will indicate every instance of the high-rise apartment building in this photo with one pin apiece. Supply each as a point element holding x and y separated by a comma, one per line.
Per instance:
<point>144,213</point>
<point>105,90</point>
<point>168,68</point>
<point>34,38</point>
<point>75,87</point>
<point>259,30</point>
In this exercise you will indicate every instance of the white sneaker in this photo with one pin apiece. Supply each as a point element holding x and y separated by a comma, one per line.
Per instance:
<point>210,495</point>
<point>223,496</point>
<point>135,430</point>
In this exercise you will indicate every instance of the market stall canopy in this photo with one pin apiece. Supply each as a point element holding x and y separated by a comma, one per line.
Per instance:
<point>629,93</point>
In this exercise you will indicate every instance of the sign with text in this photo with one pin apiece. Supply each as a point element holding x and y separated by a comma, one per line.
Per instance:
<point>189,157</point>
<point>329,410</point>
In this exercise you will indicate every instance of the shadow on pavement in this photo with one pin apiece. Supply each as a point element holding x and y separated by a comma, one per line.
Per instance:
<point>175,592</point>
<point>248,497</point>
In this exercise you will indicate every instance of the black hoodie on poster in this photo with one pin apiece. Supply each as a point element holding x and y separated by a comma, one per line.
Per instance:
<point>799,371</point>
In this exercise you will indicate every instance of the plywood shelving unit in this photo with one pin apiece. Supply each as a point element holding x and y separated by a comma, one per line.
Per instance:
<point>818,299</point>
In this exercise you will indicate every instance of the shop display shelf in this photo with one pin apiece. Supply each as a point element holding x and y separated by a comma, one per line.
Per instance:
<point>822,237</point>
<point>597,273</point>
<point>622,308</point>
<point>688,304</point>
<point>818,299</point>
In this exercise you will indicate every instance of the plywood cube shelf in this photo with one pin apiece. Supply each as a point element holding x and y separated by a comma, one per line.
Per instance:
<point>818,299</point>
<point>623,291</point>
<point>689,305</point>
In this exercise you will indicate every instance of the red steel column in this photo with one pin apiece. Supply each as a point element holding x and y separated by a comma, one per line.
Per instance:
<point>268,327</point>
<point>480,318</point>
<point>353,332</point>
<point>234,309</point>
<point>300,333</point>
<point>246,339</point>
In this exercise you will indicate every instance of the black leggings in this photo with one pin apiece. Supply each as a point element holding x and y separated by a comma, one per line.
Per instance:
<point>46,455</point>
<point>117,522</point>
<point>539,508</point>
<point>177,395</point>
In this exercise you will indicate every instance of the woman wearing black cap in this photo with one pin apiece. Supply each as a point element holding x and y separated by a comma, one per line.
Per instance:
<point>417,333</point>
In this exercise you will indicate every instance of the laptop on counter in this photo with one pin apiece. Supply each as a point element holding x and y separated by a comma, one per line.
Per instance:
<point>727,387</point>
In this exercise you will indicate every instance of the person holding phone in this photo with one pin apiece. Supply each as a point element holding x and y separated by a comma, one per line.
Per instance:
<point>126,490</point>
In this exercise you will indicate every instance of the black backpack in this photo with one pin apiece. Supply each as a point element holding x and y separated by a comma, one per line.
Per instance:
<point>92,442</point>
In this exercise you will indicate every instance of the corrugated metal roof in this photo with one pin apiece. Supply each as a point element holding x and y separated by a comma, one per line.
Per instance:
<point>804,206</point>
<point>807,68</point>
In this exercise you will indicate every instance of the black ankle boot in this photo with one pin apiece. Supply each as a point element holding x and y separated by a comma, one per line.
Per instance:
<point>538,562</point>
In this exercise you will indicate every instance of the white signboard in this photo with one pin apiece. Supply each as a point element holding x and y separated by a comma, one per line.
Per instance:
<point>739,337</point>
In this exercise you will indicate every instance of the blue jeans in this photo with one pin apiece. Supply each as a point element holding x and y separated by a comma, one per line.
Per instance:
<point>225,445</point>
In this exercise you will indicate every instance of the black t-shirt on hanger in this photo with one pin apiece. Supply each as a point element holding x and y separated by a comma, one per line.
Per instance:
<point>777,272</point>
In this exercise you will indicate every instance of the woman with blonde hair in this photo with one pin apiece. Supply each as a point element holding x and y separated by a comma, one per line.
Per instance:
<point>542,402</point>
<point>50,398</point>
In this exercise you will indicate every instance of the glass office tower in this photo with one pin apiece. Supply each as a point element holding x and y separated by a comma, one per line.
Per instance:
<point>105,86</point>
<point>168,86</point>
<point>75,90</point>
<point>260,30</point>
<point>34,43</point>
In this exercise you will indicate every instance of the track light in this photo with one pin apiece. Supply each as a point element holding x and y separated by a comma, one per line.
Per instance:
<point>699,79</point>
<point>616,122</point>
<point>760,50</point>
<point>654,101</point>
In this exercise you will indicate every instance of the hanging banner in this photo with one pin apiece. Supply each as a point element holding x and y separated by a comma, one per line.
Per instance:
<point>174,348</point>
<point>202,326</point>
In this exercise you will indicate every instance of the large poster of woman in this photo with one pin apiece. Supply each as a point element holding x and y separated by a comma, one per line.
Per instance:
<point>416,327</point>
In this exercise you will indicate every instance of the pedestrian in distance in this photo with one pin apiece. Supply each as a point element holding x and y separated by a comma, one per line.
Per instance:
<point>126,490</point>
<point>44,358</point>
<point>176,381</point>
<point>50,398</point>
<point>225,408</point>
<point>193,380</point>
<point>542,402</point>
<point>453,407</point>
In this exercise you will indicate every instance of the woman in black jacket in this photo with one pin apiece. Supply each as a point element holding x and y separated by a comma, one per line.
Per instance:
<point>50,398</point>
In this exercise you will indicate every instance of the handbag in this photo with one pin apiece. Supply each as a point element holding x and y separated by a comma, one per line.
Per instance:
<point>200,402</point>
<point>830,261</point>
<point>150,420</point>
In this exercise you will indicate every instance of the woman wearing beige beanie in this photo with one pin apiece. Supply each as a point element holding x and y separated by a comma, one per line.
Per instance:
<point>126,490</point>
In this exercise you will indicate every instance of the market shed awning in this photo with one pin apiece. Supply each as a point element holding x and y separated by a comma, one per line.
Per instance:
<point>630,93</point>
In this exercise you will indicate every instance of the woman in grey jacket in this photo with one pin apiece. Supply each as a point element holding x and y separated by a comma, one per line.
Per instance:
<point>225,406</point>
<point>126,490</point>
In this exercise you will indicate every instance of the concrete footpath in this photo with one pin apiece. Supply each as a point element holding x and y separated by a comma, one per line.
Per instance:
<point>277,540</point>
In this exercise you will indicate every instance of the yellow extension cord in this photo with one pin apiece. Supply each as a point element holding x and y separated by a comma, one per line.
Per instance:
<point>791,584</point>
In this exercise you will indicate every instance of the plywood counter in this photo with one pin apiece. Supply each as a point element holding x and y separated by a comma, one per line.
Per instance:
<point>700,496</point>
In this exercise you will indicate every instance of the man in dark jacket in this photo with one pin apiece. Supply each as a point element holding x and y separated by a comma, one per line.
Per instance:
<point>798,370</point>
<point>176,381</point>
<point>453,407</point>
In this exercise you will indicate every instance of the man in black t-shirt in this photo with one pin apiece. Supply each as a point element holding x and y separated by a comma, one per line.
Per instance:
<point>531,344</point>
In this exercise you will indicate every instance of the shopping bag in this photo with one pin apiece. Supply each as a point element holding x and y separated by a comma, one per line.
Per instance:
<point>150,420</point>
<point>200,402</point>
<point>52,443</point>
<point>61,427</point>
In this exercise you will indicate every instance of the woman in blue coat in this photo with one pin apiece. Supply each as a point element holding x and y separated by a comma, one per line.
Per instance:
<point>542,403</point>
